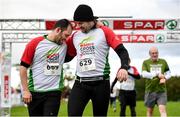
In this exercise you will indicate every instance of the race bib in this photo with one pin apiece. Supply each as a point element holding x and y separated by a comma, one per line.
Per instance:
<point>52,69</point>
<point>87,64</point>
<point>155,69</point>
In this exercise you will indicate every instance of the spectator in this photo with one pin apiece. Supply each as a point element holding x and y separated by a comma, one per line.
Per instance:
<point>127,92</point>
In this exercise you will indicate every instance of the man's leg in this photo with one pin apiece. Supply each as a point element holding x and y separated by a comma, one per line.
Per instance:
<point>133,111</point>
<point>114,104</point>
<point>78,99</point>
<point>35,107</point>
<point>123,110</point>
<point>162,110</point>
<point>150,100</point>
<point>122,98</point>
<point>161,101</point>
<point>52,103</point>
<point>149,112</point>
<point>100,98</point>
<point>131,96</point>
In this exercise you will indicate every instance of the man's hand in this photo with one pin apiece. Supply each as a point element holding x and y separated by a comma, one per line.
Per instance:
<point>27,97</point>
<point>122,75</point>
<point>162,78</point>
<point>162,81</point>
<point>99,24</point>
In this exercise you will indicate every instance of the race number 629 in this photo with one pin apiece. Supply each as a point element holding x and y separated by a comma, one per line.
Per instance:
<point>85,62</point>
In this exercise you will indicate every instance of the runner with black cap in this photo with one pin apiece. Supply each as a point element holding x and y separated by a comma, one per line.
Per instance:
<point>91,46</point>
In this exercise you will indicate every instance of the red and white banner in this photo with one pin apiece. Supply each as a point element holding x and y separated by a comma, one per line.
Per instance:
<point>137,38</point>
<point>148,30</point>
<point>138,24</point>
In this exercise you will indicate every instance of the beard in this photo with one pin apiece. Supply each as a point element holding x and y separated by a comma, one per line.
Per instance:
<point>85,30</point>
<point>59,40</point>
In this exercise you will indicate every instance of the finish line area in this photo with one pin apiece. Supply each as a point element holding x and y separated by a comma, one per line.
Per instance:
<point>128,30</point>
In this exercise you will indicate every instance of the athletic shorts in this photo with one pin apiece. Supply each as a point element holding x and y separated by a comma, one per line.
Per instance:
<point>159,98</point>
<point>127,97</point>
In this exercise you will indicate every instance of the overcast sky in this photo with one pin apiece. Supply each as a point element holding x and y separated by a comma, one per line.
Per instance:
<point>138,9</point>
<point>55,9</point>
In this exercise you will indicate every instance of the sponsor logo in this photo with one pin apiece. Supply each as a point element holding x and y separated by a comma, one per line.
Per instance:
<point>53,55</point>
<point>160,38</point>
<point>6,87</point>
<point>86,40</point>
<point>86,47</point>
<point>105,22</point>
<point>173,36</point>
<point>137,38</point>
<point>171,24</point>
<point>138,24</point>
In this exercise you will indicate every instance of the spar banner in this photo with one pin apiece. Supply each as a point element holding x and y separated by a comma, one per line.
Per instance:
<point>130,24</point>
<point>148,31</point>
<point>150,37</point>
<point>137,38</point>
<point>139,30</point>
<point>142,38</point>
<point>145,24</point>
<point>5,80</point>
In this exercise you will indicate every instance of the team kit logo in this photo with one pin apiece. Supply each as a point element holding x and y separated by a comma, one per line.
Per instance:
<point>87,54</point>
<point>86,47</point>
<point>52,66</point>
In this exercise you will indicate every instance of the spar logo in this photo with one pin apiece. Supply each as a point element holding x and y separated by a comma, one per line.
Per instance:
<point>160,38</point>
<point>138,24</point>
<point>171,24</point>
<point>137,38</point>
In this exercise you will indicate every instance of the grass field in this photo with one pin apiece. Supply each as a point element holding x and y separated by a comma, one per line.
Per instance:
<point>173,109</point>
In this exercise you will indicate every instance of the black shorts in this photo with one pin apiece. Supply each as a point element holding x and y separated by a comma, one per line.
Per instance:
<point>127,97</point>
<point>44,103</point>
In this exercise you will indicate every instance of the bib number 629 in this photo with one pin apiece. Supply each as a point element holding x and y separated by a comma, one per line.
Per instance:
<point>85,62</point>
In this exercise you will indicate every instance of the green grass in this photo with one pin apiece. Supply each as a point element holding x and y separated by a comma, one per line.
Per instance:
<point>173,109</point>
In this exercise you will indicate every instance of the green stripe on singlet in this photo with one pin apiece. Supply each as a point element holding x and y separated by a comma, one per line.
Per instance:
<point>61,81</point>
<point>107,67</point>
<point>31,82</point>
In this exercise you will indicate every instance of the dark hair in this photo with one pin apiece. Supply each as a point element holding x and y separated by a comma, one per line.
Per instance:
<point>63,24</point>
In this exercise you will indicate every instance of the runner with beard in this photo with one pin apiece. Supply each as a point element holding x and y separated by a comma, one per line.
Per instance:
<point>91,46</point>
